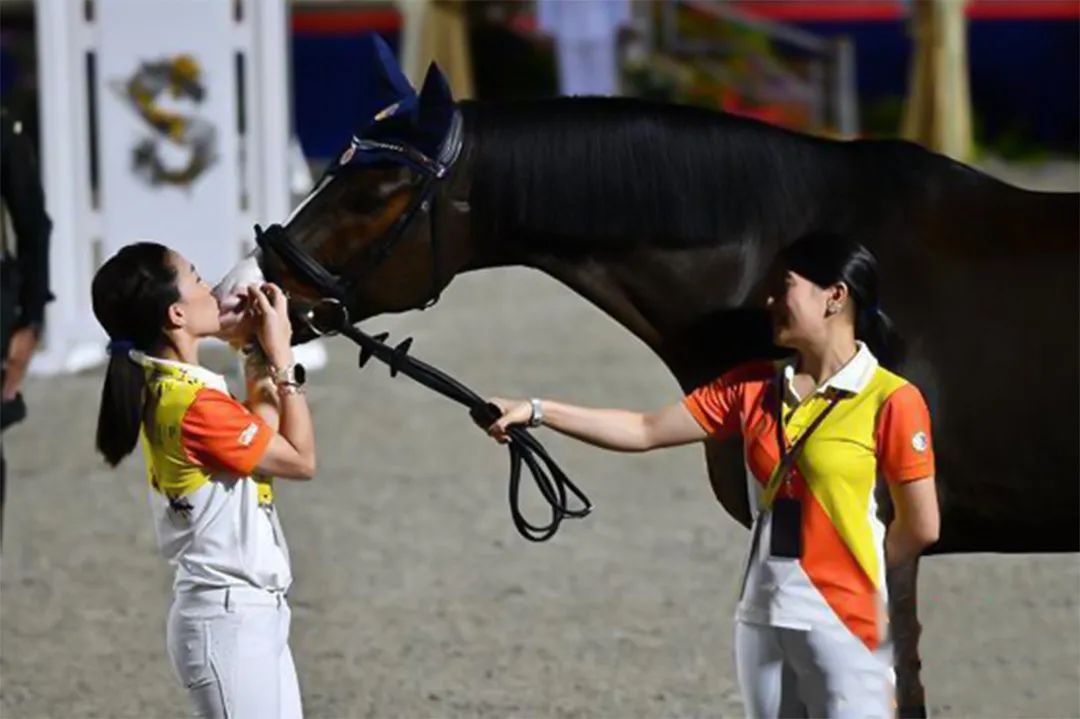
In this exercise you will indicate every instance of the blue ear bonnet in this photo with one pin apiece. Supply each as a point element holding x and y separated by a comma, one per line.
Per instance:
<point>396,117</point>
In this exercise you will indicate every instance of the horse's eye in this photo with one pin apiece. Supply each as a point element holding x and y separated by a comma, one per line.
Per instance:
<point>365,204</point>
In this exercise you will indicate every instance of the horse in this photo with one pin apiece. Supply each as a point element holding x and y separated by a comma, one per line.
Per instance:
<point>669,219</point>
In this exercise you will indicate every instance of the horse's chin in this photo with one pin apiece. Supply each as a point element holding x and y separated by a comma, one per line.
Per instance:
<point>302,333</point>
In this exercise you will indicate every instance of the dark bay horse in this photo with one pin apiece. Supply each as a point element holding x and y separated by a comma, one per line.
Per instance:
<point>668,218</point>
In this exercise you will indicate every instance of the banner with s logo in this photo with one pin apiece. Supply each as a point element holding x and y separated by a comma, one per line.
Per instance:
<point>167,137</point>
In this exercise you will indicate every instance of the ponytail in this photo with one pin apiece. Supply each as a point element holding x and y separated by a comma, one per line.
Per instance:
<point>121,408</point>
<point>132,293</point>
<point>877,330</point>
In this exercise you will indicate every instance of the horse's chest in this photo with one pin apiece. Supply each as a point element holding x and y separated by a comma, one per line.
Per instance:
<point>727,476</point>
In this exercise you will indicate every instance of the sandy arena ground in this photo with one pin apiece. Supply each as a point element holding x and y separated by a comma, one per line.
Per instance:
<point>414,597</point>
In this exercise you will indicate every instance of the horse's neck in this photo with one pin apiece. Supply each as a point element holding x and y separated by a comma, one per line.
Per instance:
<point>697,308</point>
<point>688,306</point>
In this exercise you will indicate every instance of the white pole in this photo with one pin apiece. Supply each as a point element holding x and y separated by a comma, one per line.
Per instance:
<point>73,341</point>
<point>269,114</point>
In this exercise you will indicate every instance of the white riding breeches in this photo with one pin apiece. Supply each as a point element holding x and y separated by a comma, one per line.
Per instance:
<point>230,650</point>
<point>823,672</point>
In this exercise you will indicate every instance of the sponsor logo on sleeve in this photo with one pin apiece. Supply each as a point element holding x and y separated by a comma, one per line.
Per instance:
<point>919,441</point>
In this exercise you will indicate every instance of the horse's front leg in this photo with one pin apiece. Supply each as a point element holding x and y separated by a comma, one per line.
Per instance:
<point>727,475</point>
<point>904,622</point>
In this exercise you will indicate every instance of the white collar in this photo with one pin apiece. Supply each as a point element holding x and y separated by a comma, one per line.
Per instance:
<point>850,378</point>
<point>183,369</point>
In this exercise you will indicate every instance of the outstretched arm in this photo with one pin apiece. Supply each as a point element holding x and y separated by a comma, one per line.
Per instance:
<point>616,429</point>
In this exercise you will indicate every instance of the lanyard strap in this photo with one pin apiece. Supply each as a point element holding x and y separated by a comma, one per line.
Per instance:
<point>789,455</point>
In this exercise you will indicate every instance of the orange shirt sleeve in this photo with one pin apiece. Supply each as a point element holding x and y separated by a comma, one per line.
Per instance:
<point>221,434</point>
<point>905,449</point>
<point>717,406</point>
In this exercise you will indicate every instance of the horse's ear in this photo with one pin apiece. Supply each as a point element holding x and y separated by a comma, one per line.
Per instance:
<point>391,85</point>
<point>436,110</point>
<point>436,90</point>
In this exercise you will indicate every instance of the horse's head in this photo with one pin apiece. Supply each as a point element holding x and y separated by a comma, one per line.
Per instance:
<point>366,235</point>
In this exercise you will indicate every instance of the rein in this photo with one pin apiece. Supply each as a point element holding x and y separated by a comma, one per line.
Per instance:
<point>330,316</point>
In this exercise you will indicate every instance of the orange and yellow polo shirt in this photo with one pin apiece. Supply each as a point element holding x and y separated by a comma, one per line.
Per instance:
<point>880,427</point>
<point>215,520</point>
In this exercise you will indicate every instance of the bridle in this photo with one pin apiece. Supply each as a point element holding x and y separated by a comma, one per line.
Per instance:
<point>331,316</point>
<point>275,240</point>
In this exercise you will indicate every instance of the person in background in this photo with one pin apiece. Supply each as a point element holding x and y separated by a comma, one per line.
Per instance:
<point>24,272</point>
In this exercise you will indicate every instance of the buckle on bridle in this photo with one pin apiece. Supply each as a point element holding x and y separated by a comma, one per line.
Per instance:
<point>326,317</point>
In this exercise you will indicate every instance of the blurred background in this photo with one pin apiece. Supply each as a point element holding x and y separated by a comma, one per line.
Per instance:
<point>838,65</point>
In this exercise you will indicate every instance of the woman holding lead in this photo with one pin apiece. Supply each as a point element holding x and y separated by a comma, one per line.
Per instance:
<point>818,431</point>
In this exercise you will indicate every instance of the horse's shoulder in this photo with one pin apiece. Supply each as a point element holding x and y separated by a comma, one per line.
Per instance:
<point>754,371</point>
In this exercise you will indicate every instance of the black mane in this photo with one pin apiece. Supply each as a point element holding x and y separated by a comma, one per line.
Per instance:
<point>588,174</point>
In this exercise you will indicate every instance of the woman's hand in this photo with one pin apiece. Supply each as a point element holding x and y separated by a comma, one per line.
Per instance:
<point>237,321</point>
<point>514,411</point>
<point>272,327</point>
<point>20,348</point>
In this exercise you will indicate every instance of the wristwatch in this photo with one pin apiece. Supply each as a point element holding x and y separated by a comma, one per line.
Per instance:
<point>292,375</point>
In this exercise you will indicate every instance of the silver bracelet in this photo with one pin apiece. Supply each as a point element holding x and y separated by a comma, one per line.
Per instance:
<point>280,374</point>
<point>537,417</point>
<point>287,388</point>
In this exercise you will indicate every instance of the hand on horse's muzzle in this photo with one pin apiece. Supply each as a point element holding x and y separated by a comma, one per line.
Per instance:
<point>235,321</point>
<point>232,292</point>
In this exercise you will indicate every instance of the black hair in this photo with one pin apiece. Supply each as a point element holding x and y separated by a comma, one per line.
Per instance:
<point>825,259</point>
<point>132,293</point>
